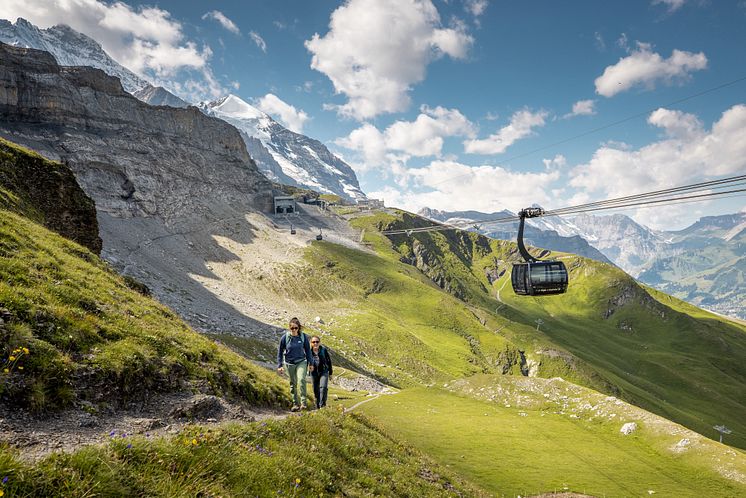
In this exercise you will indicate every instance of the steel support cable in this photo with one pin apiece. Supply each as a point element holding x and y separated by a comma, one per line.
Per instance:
<point>736,194</point>
<point>632,201</point>
<point>656,201</point>
<point>712,184</point>
<point>721,183</point>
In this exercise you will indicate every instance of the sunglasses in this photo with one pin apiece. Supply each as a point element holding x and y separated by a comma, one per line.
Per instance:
<point>293,328</point>
<point>314,342</point>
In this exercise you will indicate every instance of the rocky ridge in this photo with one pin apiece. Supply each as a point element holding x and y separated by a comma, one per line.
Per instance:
<point>69,48</point>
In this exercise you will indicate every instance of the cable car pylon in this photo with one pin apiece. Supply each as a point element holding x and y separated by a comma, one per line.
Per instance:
<point>536,277</point>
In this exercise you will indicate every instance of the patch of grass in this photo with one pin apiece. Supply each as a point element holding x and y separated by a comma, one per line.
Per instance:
<point>90,337</point>
<point>320,453</point>
<point>514,448</point>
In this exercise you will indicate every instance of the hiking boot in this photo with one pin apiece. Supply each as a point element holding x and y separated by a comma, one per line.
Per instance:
<point>295,408</point>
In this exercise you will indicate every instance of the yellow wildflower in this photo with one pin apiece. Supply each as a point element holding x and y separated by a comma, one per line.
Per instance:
<point>12,358</point>
<point>2,493</point>
<point>5,370</point>
<point>194,442</point>
<point>25,350</point>
<point>20,368</point>
<point>297,480</point>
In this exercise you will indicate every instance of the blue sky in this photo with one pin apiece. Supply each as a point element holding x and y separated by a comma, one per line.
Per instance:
<point>445,103</point>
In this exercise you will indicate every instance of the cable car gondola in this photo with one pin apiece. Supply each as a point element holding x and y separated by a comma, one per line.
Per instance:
<point>536,277</point>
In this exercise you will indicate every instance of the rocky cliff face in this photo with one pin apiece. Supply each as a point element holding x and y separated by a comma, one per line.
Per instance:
<point>47,192</point>
<point>131,158</point>
<point>69,48</point>
<point>168,183</point>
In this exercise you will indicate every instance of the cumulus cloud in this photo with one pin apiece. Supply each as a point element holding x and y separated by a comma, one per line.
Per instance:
<point>376,50</point>
<point>643,67</point>
<point>424,136</point>
<point>258,40</point>
<point>419,138</point>
<point>147,40</point>
<point>292,118</point>
<point>671,5</point>
<point>582,108</point>
<point>687,153</point>
<point>483,188</point>
<point>223,20</point>
<point>521,125</point>
<point>370,142</point>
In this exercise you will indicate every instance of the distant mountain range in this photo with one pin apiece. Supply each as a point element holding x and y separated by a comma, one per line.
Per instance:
<point>282,155</point>
<point>549,238</point>
<point>704,264</point>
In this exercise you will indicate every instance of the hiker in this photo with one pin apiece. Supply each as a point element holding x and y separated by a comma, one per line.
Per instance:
<point>322,363</point>
<point>294,354</point>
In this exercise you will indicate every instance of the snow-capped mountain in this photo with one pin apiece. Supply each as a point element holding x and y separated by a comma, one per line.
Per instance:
<point>629,245</point>
<point>70,48</point>
<point>157,95</point>
<point>285,156</point>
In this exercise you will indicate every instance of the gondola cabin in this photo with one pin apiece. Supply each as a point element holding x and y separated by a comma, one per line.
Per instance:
<point>539,278</point>
<point>536,277</point>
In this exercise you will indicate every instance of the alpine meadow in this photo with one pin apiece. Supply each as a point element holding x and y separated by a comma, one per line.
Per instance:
<point>372,248</point>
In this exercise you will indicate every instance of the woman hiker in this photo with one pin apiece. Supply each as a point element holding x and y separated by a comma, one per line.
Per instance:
<point>322,363</point>
<point>294,354</point>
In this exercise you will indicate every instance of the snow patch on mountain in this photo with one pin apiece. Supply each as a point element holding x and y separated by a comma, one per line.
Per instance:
<point>70,48</point>
<point>283,155</point>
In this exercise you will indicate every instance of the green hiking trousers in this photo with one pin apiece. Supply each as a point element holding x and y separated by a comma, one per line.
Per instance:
<point>297,374</point>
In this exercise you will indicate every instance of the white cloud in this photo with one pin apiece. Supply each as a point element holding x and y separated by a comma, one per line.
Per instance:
<point>600,43</point>
<point>258,40</point>
<point>223,20</point>
<point>452,186</point>
<point>476,7</point>
<point>557,162</point>
<point>146,40</point>
<point>288,115</point>
<point>521,125</point>
<point>370,142</point>
<point>582,108</point>
<point>422,137</point>
<point>672,5</point>
<point>376,50</point>
<point>643,67</point>
<point>622,42</point>
<point>688,153</point>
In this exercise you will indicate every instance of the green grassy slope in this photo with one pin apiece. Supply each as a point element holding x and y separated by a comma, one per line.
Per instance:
<point>607,332</point>
<point>47,192</point>
<point>318,454</point>
<point>90,337</point>
<point>657,353</point>
<point>533,436</point>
